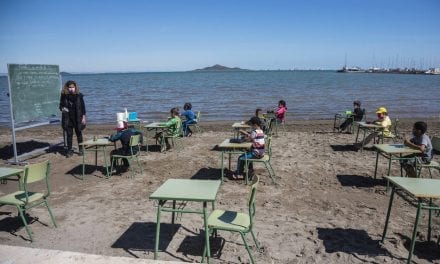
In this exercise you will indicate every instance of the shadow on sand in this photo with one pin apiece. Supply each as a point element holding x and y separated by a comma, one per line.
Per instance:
<point>359,181</point>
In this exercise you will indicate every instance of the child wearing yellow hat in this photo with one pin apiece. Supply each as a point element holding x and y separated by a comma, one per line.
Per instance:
<point>382,120</point>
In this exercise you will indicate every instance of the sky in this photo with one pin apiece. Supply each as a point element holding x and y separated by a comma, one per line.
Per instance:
<point>162,35</point>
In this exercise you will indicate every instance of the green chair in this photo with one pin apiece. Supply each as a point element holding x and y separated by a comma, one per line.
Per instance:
<point>26,199</point>
<point>232,221</point>
<point>433,164</point>
<point>134,143</point>
<point>269,128</point>
<point>265,160</point>
<point>351,127</point>
<point>175,137</point>
<point>196,124</point>
<point>280,123</point>
<point>394,133</point>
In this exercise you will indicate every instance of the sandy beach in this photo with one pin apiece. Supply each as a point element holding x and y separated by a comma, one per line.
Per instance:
<point>325,208</point>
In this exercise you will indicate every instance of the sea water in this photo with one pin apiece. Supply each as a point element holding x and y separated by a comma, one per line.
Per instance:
<point>236,95</point>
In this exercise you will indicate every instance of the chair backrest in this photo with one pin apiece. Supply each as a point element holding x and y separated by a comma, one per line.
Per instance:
<point>268,146</point>
<point>269,127</point>
<point>135,140</point>
<point>395,127</point>
<point>435,141</point>
<point>34,173</point>
<point>364,115</point>
<point>252,203</point>
<point>198,117</point>
<point>179,127</point>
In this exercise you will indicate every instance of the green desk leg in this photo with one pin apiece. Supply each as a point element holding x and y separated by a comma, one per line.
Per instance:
<point>223,167</point>
<point>205,220</point>
<point>389,165</point>
<point>107,175</point>
<point>375,168</point>
<point>413,238</point>
<point>357,135</point>
<point>430,218</point>
<point>363,140</point>
<point>229,161</point>
<point>96,157</point>
<point>173,213</point>
<point>390,204</point>
<point>156,242</point>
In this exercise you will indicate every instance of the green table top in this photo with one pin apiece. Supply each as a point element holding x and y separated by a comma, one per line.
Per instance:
<point>187,190</point>
<point>97,142</point>
<point>6,172</point>
<point>227,145</point>
<point>395,149</point>
<point>418,187</point>
<point>240,125</point>
<point>156,125</point>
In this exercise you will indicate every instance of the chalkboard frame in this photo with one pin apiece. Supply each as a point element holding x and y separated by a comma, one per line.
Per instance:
<point>32,113</point>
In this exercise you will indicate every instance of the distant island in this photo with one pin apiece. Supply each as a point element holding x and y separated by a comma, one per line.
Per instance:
<point>219,67</point>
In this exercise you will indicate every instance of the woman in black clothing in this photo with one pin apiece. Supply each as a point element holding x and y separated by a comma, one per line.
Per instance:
<point>73,114</point>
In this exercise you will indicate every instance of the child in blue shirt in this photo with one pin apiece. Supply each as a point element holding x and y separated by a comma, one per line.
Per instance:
<point>124,134</point>
<point>190,119</point>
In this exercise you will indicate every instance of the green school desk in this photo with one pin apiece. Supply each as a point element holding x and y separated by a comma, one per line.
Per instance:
<point>392,152</point>
<point>423,191</point>
<point>203,191</point>
<point>232,148</point>
<point>96,145</point>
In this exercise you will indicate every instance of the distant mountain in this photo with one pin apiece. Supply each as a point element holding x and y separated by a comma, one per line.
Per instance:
<point>219,67</point>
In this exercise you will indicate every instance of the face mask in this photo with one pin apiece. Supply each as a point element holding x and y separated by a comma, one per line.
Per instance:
<point>71,90</point>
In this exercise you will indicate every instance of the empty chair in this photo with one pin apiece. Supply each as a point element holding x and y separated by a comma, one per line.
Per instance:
<point>232,221</point>
<point>26,199</point>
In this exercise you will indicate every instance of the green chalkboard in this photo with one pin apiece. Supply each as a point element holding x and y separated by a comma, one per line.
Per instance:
<point>34,92</point>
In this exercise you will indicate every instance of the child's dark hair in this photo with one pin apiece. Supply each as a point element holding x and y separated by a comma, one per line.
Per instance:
<point>255,121</point>
<point>174,111</point>
<point>187,106</point>
<point>422,126</point>
<point>282,102</point>
<point>258,110</point>
<point>357,102</point>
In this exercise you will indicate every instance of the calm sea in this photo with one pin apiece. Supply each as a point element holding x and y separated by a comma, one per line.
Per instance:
<point>236,95</point>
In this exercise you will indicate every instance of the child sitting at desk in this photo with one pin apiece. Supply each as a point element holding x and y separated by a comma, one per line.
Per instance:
<point>190,119</point>
<point>383,121</point>
<point>259,114</point>
<point>281,111</point>
<point>173,127</point>
<point>357,115</point>
<point>123,134</point>
<point>421,142</point>
<point>257,149</point>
